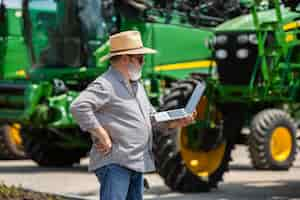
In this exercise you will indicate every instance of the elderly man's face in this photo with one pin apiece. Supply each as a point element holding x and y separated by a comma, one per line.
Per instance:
<point>134,65</point>
<point>137,60</point>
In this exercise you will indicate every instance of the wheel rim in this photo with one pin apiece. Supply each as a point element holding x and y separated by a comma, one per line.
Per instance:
<point>14,135</point>
<point>201,163</point>
<point>281,144</point>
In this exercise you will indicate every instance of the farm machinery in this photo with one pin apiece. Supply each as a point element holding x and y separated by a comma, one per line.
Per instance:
<point>248,61</point>
<point>47,58</point>
<point>255,85</point>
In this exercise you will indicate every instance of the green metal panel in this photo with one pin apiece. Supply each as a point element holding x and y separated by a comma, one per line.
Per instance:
<point>59,105</point>
<point>2,51</point>
<point>14,57</point>
<point>14,16</point>
<point>179,44</point>
<point>245,22</point>
<point>15,22</point>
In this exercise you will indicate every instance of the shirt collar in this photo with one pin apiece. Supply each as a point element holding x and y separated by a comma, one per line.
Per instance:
<point>118,74</point>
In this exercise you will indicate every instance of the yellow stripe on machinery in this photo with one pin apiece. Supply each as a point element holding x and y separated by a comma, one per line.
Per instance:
<point>186,65</point>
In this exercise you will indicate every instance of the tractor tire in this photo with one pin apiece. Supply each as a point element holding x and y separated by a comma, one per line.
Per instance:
<point>272,141</point>
<point>43,149</point>
<point>172,160</point>
<point>11,146</point>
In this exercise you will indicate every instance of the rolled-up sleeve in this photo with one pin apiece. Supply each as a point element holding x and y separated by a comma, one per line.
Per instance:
<point>90,100</point>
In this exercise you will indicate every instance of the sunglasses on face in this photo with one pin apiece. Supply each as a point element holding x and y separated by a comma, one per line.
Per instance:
<point>140,58</point>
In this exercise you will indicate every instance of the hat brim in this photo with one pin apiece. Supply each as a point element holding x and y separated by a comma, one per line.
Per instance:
<point>143,50</point>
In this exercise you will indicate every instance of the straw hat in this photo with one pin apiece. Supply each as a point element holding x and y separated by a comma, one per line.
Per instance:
<point>126,43</point>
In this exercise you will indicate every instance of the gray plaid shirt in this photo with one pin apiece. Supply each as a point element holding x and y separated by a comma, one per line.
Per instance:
<point>124,110</point>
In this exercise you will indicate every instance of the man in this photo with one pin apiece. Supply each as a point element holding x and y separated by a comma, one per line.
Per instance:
<point>116,111</point>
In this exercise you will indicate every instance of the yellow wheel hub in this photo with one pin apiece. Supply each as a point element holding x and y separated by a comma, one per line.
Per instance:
<point>281,144</point>
<point>14,134</point>
<point>200,163</point>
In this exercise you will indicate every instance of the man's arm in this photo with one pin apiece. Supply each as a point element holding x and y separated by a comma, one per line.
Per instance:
<point>83,108</point>
<point>103,141</point>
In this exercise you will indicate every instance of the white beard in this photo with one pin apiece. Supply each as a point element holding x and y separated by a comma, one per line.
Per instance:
<point>134,73</point>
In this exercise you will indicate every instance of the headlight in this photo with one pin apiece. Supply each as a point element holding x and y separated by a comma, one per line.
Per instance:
<point>221,54</point>
<point>221,39</point>
<point>242,53</point>
<point>243,39</point>
<point>253,39</point>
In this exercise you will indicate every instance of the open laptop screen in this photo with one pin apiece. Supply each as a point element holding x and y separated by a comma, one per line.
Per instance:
<point>194,99</point>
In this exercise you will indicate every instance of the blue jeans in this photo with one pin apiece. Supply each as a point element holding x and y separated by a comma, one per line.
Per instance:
<point>120,183</point>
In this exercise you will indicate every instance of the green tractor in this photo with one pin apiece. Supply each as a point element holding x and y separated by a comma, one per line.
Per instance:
<point>48,56</point>
<point>255,85</point>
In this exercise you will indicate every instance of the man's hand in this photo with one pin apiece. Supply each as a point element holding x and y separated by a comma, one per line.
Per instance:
<point>103,140</point>
<point>180,123</point>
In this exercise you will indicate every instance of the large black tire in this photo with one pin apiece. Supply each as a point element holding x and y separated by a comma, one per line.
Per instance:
<point>168,158</point>
<point>11,143</point>
<point>42,147</point>
<point>261,140</point>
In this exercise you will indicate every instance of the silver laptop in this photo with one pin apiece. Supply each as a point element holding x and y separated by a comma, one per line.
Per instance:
<point>182,112</point>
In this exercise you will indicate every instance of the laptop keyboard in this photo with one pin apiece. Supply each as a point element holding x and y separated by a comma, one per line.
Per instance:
<point>176,113</point>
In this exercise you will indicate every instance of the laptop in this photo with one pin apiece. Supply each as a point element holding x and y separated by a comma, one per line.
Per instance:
<point>182,112</point>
